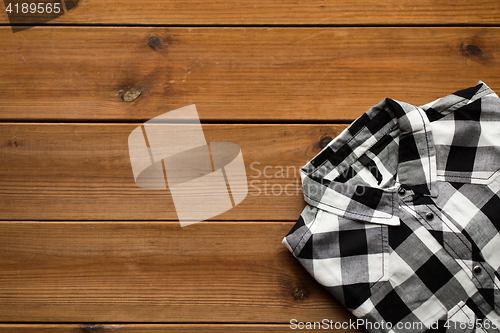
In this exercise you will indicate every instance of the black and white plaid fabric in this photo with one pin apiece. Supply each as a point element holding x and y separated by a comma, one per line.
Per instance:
<point>403,218</point>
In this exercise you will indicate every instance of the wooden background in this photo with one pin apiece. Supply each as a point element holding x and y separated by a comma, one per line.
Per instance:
<point>83,249</point>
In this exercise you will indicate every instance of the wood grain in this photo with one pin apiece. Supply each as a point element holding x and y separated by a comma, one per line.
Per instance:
<point>83,171</point>
<point>233,272</point>
<point>150,328</point>
<point>317,12</point>
<point>235,74</point>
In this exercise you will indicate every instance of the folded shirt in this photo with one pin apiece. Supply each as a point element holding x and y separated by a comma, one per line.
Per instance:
<point>403,215</point>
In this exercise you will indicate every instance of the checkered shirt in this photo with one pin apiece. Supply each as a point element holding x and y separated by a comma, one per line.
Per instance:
<point>403,215</point>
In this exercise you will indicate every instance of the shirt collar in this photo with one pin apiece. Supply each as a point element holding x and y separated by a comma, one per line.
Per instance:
<point>416,154</point>
<point>358,175</point>
<point>340,179</point>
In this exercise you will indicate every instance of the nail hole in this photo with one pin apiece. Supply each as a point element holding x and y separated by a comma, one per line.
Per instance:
<point>154,42</point>
<point>13,143</point>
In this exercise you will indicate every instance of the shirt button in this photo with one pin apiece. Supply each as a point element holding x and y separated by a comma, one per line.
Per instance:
<point>477,269</point>
<point>401,191</point>
<point>429,216</point>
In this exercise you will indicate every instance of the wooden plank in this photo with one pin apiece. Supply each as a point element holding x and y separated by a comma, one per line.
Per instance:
<point>209,272</point>
<point>317,12</point>
<point>236,74</point>
<point>83,171</point>
<point>152,328</point>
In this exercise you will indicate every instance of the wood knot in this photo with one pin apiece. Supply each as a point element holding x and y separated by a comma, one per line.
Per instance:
<point>154,42</point>
<point>298,293</point>
<point>324,141</point>
<point>70,4</point>
<point>130,94</point>
<point>472,50</point>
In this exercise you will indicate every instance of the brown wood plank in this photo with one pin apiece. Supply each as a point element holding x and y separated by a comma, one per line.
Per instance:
<point>192,12</point>
<point>152,328</point>
<point>83,171</point>
<point>236,74</point>
<point>122,272</point>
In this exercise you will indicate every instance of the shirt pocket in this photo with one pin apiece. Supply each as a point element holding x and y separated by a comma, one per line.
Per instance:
<point>347,256</point>
<point>348,251</point>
